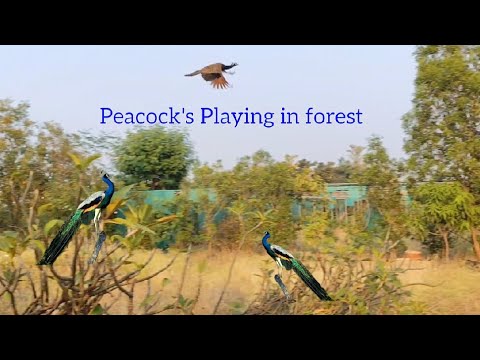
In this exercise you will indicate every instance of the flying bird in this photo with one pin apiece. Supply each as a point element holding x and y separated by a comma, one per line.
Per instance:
<point>96,203</point>
<point>214,74</point>
<point>286,260</point>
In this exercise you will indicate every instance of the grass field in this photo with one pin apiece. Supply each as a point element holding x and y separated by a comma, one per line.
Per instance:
<point>454,288</point>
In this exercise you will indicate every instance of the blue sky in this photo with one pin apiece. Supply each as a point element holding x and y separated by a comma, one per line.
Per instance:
<point>70,84</point>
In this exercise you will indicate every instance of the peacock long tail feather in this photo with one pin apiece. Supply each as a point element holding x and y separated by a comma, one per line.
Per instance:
<point>63,237</point>
<point>309,280</point>
<point>194,73</point>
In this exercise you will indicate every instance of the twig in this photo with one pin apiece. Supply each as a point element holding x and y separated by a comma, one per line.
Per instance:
<point>117,283</point>
<point>184,272</point>
<point>107,308</point>
<point>230,271</point>
<point>60,277</point>
<point>27,188</point>
<point>159,271</point>
<point>130,298</point>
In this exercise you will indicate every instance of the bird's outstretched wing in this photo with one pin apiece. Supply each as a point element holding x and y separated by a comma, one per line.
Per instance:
<point>211,76</point>
<point>213,68</point>
<point>217,79</point>
<point>220,83</point>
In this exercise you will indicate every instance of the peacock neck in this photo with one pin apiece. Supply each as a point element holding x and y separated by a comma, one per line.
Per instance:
<point>111,187</point>
<point>265,242</point>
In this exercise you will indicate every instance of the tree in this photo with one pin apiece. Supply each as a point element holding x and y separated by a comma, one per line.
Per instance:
<point>384,192</point>
<point>443,128</point>
<point>356,156</point>
<point>257,184</point>
<point>157,156</point>
<point>44,175</point>
<point>447,207</point>
<point>334,173</point>
<point>37,156</point>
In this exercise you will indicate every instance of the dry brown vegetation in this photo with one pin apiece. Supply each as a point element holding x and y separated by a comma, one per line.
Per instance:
<point>452,288</point>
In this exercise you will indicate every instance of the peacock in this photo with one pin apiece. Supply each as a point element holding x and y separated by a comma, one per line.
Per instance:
<point>96,203</point>
<point>214,73</point>
<point>286,260</point>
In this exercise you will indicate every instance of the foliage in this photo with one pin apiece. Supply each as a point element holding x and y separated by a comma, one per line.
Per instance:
<point>45,173</point>
<point>157,156</point>
<point>359,279</point>
<point>442,209</point>
<point>256,184</point>
<point>38,157</point>
<point>443,128</point>
<point>43,180</point>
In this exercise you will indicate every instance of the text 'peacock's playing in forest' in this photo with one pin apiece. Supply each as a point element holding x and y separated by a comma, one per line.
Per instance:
<point>215,116</point>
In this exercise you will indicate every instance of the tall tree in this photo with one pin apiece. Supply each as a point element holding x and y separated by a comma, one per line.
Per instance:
<point>355,153</point>
<point>36,157</point>
<point>443,128</point>
<point>157,156</point>
<point>384,191</point>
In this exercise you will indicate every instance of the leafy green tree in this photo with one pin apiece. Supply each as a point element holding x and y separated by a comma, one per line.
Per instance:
<point>356,157</point>
<point>38,157</point>
<point>384,192</point>
<point>157,156</point>
<point>443,128</point>
<point>258,185</point>
<point>330,172</point>
<point>446,207</point>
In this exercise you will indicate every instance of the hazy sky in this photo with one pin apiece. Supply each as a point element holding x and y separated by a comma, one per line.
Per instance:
<point>70,84</point>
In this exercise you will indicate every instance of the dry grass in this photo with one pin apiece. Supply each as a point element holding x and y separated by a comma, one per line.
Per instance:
<point>458,290</point>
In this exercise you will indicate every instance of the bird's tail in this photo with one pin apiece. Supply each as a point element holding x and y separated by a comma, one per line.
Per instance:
<point>194,73</point>
<point>309,280</point>
<point>61,240</point>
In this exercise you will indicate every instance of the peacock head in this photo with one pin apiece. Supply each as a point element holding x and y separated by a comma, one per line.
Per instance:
<point>228,67</point>
<point>104,174</point>
<point>267,234</point>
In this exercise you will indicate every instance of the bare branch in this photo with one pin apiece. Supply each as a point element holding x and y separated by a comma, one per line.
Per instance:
<point>117,283</point>
<point>230,270</point>
<point>184,272</point>
<point>159,271</point>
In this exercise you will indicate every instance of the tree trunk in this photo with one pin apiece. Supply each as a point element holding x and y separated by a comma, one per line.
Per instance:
<point>447,246</point>
<point>476,245</point>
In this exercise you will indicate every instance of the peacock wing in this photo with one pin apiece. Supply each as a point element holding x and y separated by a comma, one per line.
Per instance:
<point>213,68</point>
<point>92,201</point>
<point>220,83</point>
<point>284,256</point>
<point>211,76</point>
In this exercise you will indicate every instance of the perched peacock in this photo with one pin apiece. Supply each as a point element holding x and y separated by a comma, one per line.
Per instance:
<point>286,260</point>
<point>96,203</point>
